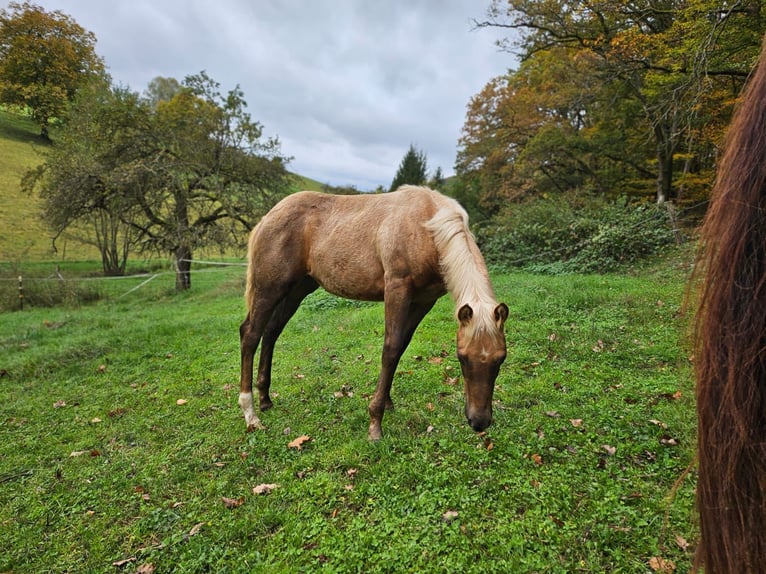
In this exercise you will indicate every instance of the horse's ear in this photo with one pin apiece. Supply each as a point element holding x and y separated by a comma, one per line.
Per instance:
<point>501,314</point>
<point>465,314</point>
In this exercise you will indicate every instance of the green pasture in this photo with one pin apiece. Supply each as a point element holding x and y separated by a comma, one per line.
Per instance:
<point>122,448</point>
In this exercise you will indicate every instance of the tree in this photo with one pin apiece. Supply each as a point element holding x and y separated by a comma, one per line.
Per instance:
<point>662,58</point>
<point>162,90</point>
<point>437,179</point>
<point>412,170</point>
<point>80,184</point>
<point>186,173</point>
<point>44,58</point>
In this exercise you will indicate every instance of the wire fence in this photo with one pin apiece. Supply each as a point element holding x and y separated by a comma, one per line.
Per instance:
<point>18,291</point>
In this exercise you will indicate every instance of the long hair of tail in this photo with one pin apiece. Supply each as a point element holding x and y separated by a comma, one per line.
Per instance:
<point>252,246</point>
<point>730,349</point>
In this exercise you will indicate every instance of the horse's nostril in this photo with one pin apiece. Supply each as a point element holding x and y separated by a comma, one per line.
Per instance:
<point>480,423</point>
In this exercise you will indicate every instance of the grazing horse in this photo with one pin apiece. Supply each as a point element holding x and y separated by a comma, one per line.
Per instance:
<point>406,248</point>
<point>730,354</point>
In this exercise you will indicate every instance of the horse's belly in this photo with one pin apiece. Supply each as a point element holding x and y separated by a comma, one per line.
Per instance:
<point>351,280</point>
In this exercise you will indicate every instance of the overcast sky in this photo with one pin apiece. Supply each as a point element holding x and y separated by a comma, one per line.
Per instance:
<point>346,85</point>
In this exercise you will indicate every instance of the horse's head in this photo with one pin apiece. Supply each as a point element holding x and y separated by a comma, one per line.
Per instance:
<point>481,350</point>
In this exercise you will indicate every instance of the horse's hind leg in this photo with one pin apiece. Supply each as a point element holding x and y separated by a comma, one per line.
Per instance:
<point>279,318</point>
<point>250,332</point>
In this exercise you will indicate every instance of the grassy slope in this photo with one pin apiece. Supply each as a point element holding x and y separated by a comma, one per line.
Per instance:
<point>594,426</point>
<point>23,237</point>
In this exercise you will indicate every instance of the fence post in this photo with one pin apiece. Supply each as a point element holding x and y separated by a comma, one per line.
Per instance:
<point>21,294</point>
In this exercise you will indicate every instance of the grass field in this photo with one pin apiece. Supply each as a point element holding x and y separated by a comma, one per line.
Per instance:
<point>122,447</point>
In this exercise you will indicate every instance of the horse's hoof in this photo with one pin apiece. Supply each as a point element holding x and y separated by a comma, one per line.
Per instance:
<point>375,434</point>
<point>265,405</point>
<point>255,426</point>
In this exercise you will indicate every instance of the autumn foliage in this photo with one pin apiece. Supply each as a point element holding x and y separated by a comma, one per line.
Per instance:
<point>609,98</point>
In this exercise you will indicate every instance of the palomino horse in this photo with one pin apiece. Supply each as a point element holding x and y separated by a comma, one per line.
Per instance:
<point>406,248</point>
<point>731,349</point>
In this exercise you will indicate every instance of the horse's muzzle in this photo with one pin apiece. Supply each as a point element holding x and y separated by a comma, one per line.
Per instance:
<point>479,422</point>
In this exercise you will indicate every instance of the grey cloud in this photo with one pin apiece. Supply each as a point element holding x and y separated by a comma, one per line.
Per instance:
<point>346,85</point>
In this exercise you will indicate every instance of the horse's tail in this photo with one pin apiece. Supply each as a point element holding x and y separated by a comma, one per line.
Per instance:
<point>731,349</point>
<point>252,246</point>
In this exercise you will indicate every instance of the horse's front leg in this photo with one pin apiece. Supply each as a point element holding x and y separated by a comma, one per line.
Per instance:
<point>402,318</point>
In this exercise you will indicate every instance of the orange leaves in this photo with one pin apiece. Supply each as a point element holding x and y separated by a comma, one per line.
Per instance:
<point>298,443</point>
<point>661,565</point>
<point>264,488</point>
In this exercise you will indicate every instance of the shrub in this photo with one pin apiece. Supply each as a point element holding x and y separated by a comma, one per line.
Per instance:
<point>562,235</point>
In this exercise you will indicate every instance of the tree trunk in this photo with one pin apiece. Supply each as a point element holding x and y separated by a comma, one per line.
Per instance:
<point>183,255</point>
<point>664,164</point>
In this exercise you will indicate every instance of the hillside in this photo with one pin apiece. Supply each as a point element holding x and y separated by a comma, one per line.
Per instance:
<point>22,235</point>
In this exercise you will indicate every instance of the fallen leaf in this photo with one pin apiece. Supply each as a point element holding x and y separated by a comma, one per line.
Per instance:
<point>436,360</point>
<point>196,529</point>
<point>576,422</point>
<point>552,414</point>
<point>351,473</point>
<point>121,563</point>
<point>610,450</point>
<point>430,428</point>
<point>668,440</point>
<point>299,442</point>
<point>59,404</point>
<point>95,420</point>
<point>101,368</point>
<point>599,346</point>
<point>231,503</point>
<point>682,543</point>
<point>78,453</point>
<point>180,402</point>
<point>658,423</point>
<point>661,565</point>
<point>552,337</point>
<point>537,459</point>
<point>147,568</point>
<point>450,515</point>
<point>264,488</point>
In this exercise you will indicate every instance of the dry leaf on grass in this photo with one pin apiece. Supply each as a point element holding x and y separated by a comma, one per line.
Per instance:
<point>180,402</point>
<point>450,515</point>
<point>196,529</point>
<point>661,565</point>
<point>299,442</point>
<point>232,503</point>
<point>264,488</point>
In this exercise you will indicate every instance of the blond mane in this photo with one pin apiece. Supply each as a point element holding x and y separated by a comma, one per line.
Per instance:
<point>463,267</point>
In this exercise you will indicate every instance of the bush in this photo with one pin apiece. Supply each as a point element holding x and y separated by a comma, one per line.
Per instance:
<point>561,235</point>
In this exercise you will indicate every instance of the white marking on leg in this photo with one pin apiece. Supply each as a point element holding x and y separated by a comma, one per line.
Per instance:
<point>246,404</point>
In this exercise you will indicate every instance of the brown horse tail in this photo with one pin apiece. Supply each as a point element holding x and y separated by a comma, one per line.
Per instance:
<point>250,281</point>
<point>731,349</point>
